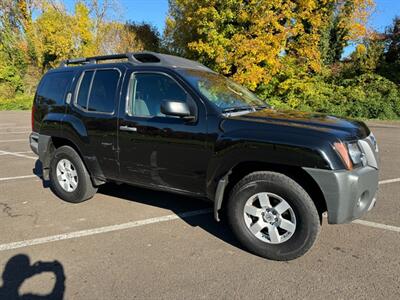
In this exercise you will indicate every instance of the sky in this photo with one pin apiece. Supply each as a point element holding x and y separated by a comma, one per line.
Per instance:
<point>386,10</point>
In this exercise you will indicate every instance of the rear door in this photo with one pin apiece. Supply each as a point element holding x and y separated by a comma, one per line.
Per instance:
<point>95,105</point>
<point>160,150</point>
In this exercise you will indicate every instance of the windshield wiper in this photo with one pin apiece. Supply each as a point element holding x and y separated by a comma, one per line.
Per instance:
<point>260,107</point>
<point>237,108</point>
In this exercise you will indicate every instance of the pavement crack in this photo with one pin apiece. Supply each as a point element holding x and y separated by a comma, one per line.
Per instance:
<point>8,210</point>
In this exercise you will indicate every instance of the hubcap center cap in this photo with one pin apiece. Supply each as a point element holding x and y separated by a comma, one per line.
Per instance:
<point>270,217</point>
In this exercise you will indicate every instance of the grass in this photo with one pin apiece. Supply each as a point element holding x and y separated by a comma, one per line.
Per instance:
<point>20,102</point>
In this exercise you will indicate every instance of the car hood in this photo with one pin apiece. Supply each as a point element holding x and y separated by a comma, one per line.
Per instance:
<point>345,128</point>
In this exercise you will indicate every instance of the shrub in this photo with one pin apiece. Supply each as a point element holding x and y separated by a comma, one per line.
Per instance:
<point>366,96</point>
<point>19,102</point>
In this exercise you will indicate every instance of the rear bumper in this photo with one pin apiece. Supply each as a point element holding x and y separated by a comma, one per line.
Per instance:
<point>34,142</point>
<point>348,194</point>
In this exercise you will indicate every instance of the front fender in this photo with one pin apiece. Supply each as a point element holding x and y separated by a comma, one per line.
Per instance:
<point>230,152</point>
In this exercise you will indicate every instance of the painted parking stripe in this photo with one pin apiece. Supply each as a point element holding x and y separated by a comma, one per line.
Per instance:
<point>14,127</point>
<point>17,177</point>
<point>105,229</point>
<point>377,225</point>
<point>17,140</point>
<point>389,181</point>
<point>14,132</point>
<point>17,154</point>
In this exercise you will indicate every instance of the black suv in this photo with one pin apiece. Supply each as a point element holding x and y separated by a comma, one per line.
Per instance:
<point>171,124</point>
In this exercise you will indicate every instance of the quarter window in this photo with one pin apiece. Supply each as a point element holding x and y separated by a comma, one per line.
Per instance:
<point>53,88</point>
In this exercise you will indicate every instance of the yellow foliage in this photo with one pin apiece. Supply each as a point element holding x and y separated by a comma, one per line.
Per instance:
<point>249,40</point>
<point>354,16</point>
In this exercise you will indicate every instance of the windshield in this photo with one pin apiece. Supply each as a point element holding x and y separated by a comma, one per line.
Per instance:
<point>224,93</point>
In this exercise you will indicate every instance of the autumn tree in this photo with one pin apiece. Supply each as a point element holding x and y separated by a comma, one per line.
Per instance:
<point>346,23</point>
<point>248,40</point>
<point>60,35</point>
<point>255,40</point>
<point>129,37</point>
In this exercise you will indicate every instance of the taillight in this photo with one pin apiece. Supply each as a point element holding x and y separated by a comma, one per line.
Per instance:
<point>33,116</point>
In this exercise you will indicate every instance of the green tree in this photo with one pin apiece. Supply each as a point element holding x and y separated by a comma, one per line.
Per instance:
<point>390,66</point>
<point>368,56</point>
<point>347,23</point>
<point>392,35</point>
<point>13,61</point>
<point>146,35</point>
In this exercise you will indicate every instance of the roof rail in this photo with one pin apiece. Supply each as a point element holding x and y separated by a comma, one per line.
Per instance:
<point>96,59</point>
<point>138,58</point>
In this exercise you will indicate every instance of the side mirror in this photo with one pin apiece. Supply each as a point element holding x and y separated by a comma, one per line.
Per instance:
<point>176,108</point>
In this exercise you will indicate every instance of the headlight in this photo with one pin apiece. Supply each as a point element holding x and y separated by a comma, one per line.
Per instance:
<point>373,141</point>
<point>350,153</point>
<point>355,153</point>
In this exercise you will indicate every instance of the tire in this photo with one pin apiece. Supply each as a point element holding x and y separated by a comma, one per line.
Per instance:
<point>273,216</point>
<point>76,184</point>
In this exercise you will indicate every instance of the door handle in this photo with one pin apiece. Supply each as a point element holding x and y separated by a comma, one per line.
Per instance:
<point>128,128</point>
<point>105,144</point>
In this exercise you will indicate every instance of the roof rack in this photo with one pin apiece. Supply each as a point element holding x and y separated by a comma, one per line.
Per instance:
<point>139,58</point>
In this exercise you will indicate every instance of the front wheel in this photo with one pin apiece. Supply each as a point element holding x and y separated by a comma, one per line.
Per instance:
<point>69,178</point>
<point>273,216</point>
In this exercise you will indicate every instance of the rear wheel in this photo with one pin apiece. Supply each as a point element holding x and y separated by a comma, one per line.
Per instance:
<point>68,176</point>
<point>273,216</point>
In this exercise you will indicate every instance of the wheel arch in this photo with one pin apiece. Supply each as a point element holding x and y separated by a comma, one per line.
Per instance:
<point>51,143</point>
<point>243,169</point>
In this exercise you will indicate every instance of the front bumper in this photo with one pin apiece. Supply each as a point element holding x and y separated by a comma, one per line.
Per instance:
<point>348,194</point>
<point>34,142</point>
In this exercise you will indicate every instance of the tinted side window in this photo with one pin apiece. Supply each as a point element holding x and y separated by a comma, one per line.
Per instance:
<point>147,91</point>
<point>103,91</point>
<point>84,86</point>
<point>54,87</point>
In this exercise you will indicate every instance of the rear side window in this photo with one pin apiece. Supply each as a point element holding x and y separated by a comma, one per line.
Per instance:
<point>102,94</point>
<point>97,90</point>
<point>54,87</point>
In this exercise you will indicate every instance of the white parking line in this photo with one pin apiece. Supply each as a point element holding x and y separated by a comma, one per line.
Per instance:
<point>17,140</point>
<point>389,181</point>
<point>82,233</point>
<point>17,154</point>
<point>17,177</point>
<point>14,132</point>
<point>14,127</point>
<point>377,225</point>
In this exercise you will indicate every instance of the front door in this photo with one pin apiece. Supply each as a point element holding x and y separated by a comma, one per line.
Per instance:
<point>159,150</point>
